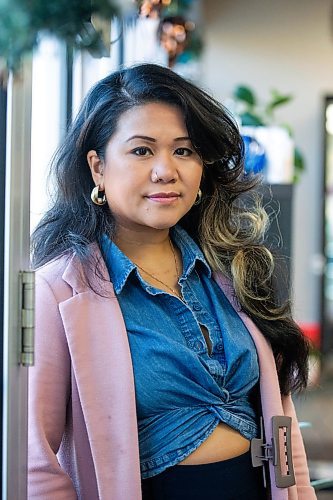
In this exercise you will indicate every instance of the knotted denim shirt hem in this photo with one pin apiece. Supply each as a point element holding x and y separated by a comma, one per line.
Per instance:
<point>218,414</point>
<point>155,466</point>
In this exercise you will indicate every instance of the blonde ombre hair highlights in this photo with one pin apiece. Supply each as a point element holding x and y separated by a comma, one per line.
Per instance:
<point>232,239</point>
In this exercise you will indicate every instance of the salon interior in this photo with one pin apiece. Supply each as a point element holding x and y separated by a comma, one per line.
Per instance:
<point>270,63</point>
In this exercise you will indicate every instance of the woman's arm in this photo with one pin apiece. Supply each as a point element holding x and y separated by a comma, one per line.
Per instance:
<point>304,490</point>
<point>49,391</point>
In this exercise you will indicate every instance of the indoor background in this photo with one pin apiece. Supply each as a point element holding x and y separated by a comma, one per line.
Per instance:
<point>230,47</point>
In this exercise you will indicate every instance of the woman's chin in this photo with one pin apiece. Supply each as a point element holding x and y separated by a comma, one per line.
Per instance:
<point>160,225</point>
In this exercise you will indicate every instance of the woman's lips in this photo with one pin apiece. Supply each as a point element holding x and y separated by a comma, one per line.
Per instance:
<point>164,198</point>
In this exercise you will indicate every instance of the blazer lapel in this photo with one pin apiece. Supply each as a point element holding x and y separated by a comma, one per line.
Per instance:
<point>102,365</point>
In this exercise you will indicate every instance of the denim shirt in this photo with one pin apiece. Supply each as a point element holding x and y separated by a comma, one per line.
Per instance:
<point>182,390</point>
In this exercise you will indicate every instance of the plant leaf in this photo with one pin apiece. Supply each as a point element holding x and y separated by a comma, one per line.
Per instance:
<point>251,120</point>
<point>278,100</point>
<point>245,94</point>
<point>299,162</point>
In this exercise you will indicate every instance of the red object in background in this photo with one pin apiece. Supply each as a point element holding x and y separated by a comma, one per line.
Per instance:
<point>312,331</point>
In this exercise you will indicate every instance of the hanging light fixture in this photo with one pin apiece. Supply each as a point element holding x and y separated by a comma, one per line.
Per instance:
<point>173,34</point>
<point>152,8</point>
<point>176,34</point>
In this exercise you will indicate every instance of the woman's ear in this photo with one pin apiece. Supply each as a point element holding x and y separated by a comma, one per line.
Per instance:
<point>96,166</point>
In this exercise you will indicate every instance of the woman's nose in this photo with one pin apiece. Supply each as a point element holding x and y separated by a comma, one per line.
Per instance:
<point>164,169</point>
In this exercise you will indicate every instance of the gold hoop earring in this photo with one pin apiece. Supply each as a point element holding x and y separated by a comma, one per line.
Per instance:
<point>199,196</point>
<point>98,197</point>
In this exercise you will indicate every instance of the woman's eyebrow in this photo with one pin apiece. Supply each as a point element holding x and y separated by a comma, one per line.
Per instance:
<point>144,137</point>
<point>185,138</point>
<point>151,139</point>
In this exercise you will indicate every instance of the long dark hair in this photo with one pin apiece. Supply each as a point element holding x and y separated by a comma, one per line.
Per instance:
<point>229,231</point>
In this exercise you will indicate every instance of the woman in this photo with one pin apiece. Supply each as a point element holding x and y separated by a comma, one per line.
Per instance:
<point>153,282</point>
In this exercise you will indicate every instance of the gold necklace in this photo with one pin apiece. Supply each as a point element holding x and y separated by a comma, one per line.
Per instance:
<point>175,292</point>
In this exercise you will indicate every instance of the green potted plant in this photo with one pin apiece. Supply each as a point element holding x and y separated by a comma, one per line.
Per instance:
<point>252,113</point>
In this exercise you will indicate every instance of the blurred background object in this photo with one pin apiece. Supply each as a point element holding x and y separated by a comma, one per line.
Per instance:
<point>284,161</point>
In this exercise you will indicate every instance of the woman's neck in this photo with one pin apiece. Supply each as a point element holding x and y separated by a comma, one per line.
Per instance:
<point>144,244</point>
<point>159,262</point>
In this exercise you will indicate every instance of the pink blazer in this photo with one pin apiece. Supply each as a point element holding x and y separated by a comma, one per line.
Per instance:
<point>83,440</point>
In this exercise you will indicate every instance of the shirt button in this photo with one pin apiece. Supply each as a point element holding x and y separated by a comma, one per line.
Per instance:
<point>198,345</point>
<point>197,307</point>
<point>219,347</point>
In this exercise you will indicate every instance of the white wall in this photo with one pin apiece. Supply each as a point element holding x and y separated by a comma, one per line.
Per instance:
<point>287,45</point>
<point>48,120</point>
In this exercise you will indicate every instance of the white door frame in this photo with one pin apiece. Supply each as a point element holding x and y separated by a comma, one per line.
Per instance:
<point>16,250</point>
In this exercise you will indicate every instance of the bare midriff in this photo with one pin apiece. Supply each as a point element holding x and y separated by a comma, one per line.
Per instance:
<point>224,443</point>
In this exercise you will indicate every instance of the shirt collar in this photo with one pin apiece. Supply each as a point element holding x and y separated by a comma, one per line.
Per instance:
<point>118,264</point>
<point>120,267</point>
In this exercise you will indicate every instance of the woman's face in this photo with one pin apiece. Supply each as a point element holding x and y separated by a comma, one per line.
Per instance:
<point>151,173</point>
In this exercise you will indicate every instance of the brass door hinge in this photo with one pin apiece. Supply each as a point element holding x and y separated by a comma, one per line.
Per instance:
<point>27,308</point>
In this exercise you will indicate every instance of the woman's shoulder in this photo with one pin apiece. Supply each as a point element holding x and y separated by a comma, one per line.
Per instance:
<point>54,268</point>
<point>49,277</point>
<point>68,273</point>
<point>60,263</point>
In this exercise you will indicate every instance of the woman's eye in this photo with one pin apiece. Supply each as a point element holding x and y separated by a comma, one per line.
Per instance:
<point>183,152</point>
<point>141,151</point>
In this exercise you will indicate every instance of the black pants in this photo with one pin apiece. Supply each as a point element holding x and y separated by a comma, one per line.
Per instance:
<point>233,479</point>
